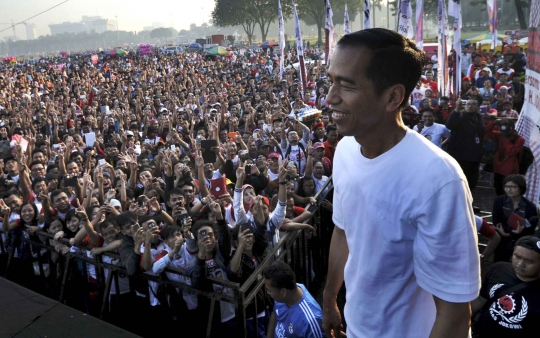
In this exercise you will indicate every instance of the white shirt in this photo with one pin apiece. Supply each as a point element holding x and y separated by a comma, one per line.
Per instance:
<point>408,219</point>
<point>435,133</point>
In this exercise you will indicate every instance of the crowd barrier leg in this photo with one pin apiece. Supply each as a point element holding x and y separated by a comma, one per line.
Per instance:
<point>241,312</point>
<point>210,318</point>
<point>106,294</point>
<point>64,279</point>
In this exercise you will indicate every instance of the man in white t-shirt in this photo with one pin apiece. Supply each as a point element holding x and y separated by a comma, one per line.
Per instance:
<point>435,132</point>
<point>405,239</point>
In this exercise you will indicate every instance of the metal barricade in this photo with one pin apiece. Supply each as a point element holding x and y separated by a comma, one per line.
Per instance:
<point>294,247</point>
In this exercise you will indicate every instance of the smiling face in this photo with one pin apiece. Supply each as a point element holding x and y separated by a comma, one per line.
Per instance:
<point>73,224</point>
<point>352,96</point>
<point>28,213</point>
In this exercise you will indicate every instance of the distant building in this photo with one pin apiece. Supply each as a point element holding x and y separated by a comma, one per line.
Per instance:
<point>11,37</point>
<point>87,24</point>
<point>31,31</point>
<point>67,27</point>
<point>98,24</point>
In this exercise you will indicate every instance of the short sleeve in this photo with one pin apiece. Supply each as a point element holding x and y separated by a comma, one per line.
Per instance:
<point>337,216</point>
<point>445,253</point>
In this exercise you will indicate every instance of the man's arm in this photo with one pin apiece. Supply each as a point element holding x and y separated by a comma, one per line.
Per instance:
<point>477,305</point>
<point>452,319</point>
<point>271,326</point>
<point>339,253</point>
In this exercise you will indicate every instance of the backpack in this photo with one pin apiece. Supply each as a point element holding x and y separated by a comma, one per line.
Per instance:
<point>301,148</point>
<point>525,161</point>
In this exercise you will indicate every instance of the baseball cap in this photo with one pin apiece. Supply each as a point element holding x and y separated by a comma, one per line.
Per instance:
<point>529,242</point>
<point>229,182</point>
<point>274,155</point>
<point>265,144</point>
<point>318,145</point>
<point>486,69</point>
<point>265,201</point>
<point>115,203</point>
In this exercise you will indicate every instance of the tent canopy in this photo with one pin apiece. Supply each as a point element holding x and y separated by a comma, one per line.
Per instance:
<point>218,50</point>
<point>486,36</point>
<point>269,43</point>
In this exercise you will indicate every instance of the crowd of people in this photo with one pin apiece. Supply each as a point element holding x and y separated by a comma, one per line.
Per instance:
<point>202,164</point>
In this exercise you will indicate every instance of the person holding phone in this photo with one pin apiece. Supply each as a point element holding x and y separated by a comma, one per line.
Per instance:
<point>513,201</point>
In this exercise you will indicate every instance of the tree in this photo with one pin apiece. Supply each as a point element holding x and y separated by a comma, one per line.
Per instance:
<point>248,13</point>
<point>160,33</point>
<point>314,11</point>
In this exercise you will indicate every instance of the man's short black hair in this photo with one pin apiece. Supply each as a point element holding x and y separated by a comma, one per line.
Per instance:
<point>394,59</point>
<point>126,218</point>
<point>34,163</point>
<point>330,127</point>
<point>174,191</point>
<point>280,275</point>
<point>58,192</point>
<point>37,180</point>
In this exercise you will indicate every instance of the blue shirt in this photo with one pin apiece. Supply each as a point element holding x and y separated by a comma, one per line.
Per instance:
<point>304,319</point>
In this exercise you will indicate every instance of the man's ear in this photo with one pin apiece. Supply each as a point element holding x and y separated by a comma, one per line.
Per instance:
<point>394,96</point>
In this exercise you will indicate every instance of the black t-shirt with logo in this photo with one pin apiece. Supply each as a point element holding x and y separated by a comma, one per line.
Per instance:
<point>516,314</point>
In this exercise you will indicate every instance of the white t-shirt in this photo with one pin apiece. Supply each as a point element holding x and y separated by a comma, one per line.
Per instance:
<point>407,215</point>
<point>435,133</point>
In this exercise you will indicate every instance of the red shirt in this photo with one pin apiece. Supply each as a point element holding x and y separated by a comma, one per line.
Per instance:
<point>510,149</point>
<point>329,150</point>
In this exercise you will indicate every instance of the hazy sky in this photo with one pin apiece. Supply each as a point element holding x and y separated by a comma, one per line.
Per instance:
<point>133,15</point>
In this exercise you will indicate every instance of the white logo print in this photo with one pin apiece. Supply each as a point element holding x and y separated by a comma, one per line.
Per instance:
<point>503,311</point>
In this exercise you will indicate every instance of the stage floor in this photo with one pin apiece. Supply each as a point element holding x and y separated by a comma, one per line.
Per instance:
<point>27,314</point>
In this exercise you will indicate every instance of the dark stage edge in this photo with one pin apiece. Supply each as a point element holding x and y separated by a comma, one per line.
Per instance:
<point>24,313</point>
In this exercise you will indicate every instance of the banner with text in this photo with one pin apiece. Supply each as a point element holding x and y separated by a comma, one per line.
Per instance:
<point>528,124</point>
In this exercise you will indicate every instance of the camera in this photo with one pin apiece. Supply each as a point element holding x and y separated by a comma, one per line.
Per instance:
<point>70,181</point>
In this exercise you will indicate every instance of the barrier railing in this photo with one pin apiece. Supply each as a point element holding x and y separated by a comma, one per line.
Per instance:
<point>294,247</point>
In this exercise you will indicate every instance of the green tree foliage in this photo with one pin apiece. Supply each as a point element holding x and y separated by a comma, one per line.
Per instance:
<point>161,33</point>
<point>249,13</point>
<point>314,11</point>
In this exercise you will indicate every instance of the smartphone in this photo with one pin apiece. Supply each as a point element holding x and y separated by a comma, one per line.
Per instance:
<point>173,147</point>
<point>136,227</point>
<point>203,233</point>
<point>246,226</point>
<point>140,201</point>
<point>102,162</point>
<point>70,181</point>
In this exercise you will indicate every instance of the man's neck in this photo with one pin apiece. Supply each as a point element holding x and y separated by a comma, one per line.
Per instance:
<point>382,138</point>
<point>13,173</point>
<point>296,296</point>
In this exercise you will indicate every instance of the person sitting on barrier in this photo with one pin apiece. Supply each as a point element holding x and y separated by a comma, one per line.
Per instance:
<point>250,251</point>
<point>212,260</point>
<point>296,313</point>
<point>272,220</point>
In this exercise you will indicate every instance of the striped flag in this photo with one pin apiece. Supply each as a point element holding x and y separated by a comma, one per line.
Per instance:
<point>281,42</point>
<point>405,19</point>
<point>329,32</point>
<point>367,17</point>
<point>492,15</point>
<point>419,31</point>
<point>454,10</point>
<point>346,22</point>
<point>443,49</point>
<point>300,51</point>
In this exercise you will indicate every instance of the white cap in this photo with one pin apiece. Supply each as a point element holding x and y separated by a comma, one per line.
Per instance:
<point>115,203</point>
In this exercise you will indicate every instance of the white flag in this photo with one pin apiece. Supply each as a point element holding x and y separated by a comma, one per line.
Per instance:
<point>419,32</point>
<point>454,10</point>
<point>492,16</point>
<point>329,27</point>
<point>367,17</point>
<point>442,56</point>
<point>281,42</point>
<point>346,23</point>
<point>300,51</point>
<point>405,19</point>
